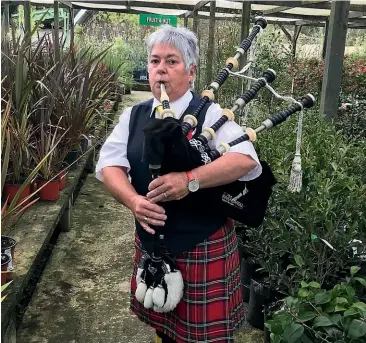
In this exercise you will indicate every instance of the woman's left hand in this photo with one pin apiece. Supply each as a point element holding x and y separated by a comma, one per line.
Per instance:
<point>172,186</point>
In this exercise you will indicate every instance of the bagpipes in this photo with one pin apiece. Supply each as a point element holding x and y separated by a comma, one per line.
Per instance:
<point>167,149</point>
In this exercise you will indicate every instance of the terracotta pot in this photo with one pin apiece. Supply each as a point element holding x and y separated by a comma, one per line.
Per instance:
<point>10,190</point>
<point>49,192</point>
<point>62,180</point>
<point>4,205</point>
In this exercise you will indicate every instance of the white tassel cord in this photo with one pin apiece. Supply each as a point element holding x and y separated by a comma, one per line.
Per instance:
<point>296,170</point>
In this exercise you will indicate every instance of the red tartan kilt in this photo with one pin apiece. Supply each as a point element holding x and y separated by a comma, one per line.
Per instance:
<point>212,307</point>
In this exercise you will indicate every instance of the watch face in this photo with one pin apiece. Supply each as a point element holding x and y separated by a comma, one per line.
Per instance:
<point>193,186</point>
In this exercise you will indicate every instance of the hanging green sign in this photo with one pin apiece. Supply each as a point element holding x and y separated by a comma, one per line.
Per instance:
<point>157,20</point>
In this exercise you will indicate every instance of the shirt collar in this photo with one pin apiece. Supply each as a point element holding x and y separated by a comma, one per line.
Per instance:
<point>178,106</point>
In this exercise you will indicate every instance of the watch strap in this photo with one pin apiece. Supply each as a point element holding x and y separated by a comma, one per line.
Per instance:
<point>190,176</point>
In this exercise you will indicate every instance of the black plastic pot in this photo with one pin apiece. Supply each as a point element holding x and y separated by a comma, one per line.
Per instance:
<point>71,157</point>
<point>246,273</point>
<point>260,295</point>
<point>84,145</point>
<point>8,247</point>
<point>5,259</point>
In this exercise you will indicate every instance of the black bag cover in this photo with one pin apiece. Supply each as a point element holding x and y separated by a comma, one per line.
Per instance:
<point>246,201</point>
<point>243,201</point>
<point>166,145</point>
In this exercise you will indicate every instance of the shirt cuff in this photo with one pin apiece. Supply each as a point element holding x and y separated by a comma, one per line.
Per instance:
<point>120,162</point>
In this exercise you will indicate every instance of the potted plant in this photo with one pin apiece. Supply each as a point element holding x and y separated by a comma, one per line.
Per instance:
<point>318,315</point>
<point>49,175</point>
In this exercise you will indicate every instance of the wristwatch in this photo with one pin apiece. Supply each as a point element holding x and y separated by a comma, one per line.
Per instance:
<point>193,184</point>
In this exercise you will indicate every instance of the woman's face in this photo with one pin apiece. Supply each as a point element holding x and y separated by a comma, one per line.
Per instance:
<point>166,64</point>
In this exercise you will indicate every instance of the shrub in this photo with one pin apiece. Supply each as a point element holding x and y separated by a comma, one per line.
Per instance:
<point>313,228</point>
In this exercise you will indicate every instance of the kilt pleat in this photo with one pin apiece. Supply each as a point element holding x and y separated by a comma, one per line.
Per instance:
<point>211,308</point>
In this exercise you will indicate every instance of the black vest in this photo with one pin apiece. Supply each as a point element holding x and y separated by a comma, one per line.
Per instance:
<point>190,220</point>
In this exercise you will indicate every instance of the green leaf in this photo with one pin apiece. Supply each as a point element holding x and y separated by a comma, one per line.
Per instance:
<point>322,298</point>
<point>346,321</point>
<point>336,319</point>
<point>304,284</point>
<point>322,321</point>
<point>314,284</point>
<point>350,291</point>
<point>290,266</point>
<point>361,280</point>
<point>350,312</point>
<point>303,293</point>
<point>340,308</point>
<point>354,270</point>
<point>275,338</point>
<point>292,332</point>
<point>299,261</point>
<point>306,315</point>
<point>357,329</point>
<point>360,305</point>
<point>274,326</point>
<point>5,286</point>
<point>341,300</point>
<point>291,301</point>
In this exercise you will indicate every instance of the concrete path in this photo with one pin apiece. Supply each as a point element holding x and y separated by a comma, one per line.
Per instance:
<point>83,295</point>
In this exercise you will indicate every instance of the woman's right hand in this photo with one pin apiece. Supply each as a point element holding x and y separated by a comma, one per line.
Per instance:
<point>148,213</point>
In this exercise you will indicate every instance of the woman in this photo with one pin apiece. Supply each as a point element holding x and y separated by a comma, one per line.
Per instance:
<point>202,241</point>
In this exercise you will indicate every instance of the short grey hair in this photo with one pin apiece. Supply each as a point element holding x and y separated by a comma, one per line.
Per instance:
<point>184,40</point>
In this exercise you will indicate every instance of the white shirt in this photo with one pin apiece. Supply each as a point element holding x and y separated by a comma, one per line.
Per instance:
<point>114,150</point>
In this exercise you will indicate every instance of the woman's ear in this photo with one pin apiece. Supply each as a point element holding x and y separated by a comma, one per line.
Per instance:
<point>192,72</point>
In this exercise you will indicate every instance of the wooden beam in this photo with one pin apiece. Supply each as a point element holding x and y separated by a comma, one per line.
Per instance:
<point>157,4</point>
<point>72,32</point>
<point>198,6</point>
<point>195,22</point>
<point>327,6</point>
<point>304,4</point>
<point>298,16</point>
<point>352,15</point>
<point>276,10</point>
<point>27,24</point>
<point>284,30</point>
<point>56,31</point>
<point>66,3</point>
<point>336,43</point>
<point>245,25</point>
<point>276,3</point>
<point>211,43</point>
<point>325,40</point>
<point>185,21</point>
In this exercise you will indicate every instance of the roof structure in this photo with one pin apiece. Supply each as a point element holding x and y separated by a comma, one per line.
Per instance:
<point>305,13</point>
<point>335,16</point>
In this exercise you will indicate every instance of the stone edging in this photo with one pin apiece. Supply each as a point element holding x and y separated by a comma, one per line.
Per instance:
<point>33,231</point>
